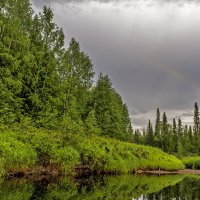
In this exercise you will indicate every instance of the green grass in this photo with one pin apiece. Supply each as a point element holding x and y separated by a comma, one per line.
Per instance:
<point>22,148</point>
<point>192,162</point>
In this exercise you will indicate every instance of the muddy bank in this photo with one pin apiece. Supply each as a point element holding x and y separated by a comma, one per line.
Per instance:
<point>51,172</point>
<point>36,173</point>
<point>162,172</point>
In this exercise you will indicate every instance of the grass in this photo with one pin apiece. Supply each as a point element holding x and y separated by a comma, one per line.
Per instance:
<point>192,162</point>
<point>23,148</point>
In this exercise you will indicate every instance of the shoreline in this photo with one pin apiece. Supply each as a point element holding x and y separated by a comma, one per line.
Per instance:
<point>53,172</point>
<point>163,172</point>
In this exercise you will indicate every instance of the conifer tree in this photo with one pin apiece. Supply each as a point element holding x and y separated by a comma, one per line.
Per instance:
<point>164,133</point>
<point>157,134</point>
<point>149,134</point>
<point>196,127</point>
<point>175,136</point>
<point>137,137</point>
<point>111,113</point>
<point>196,121</point>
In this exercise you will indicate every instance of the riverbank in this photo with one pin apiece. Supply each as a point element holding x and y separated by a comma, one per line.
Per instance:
<point>22,149</point>
<point>162,172</point>
<point>53,172</point>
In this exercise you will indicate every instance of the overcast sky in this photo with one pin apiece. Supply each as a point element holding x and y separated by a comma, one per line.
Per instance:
<point>150,50</point>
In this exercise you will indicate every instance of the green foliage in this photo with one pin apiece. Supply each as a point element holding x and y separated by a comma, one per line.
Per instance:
<point>21,148</point>
<point>43,83</point>
<point>15,189</point>
<point>113,155</point>
<point>191,162</point>
<point>91,124</point>
<point>111,113</point>
<point>15,153</point>
<point>67,156</point>
<point>174,139</point>
<point>93,188</point>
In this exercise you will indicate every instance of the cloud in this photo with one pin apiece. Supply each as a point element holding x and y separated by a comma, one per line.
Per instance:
<point>140,121</point>
<point>150,49</point>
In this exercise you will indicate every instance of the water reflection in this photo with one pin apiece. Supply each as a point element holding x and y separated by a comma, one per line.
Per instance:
<point>94,188</point>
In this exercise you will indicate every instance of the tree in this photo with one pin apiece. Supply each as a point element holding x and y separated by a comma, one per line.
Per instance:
<point>180,129</point>
<point>164,133</point>
<point>196,127</point>
<point>196,118</point>
<point>137,137</point>
<point>76,75</point>
<point>111,113</point>
<point>149,134</point>
<point>175,136</point>
<point>91,124</point>
<point>157,136</point>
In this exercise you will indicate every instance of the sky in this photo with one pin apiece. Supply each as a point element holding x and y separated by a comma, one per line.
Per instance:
<point>149,48</point>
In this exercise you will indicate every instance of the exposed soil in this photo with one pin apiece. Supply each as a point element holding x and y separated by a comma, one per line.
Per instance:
<point>53,172</point>
<point>162,172</point>
<point>36,173</point>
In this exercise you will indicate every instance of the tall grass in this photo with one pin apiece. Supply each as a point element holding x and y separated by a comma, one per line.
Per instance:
<point>109,154</point>
<point>21,148</point>
<point>192,162</point>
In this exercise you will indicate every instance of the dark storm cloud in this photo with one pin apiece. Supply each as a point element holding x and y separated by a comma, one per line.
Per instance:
<point>40,3</point>
<point>151,52</point>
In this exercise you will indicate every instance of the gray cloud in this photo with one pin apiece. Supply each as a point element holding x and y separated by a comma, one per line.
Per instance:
<point>150,49</point>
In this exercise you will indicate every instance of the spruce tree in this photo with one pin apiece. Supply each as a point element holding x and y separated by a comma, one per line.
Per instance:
<point>157,134</point>
<point>196,127</point>
<point>111,113</point>
<point>175,136</point>
<point>164,133</point>
<point>196,122</point>
<point>149,134</point>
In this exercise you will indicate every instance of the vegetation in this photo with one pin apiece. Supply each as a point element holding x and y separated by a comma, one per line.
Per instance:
<point>120,187</point>
<point>192,162</point>
<point>52,111</point>
<point>45,84</point>
<point>174,139</point>
<point>23,148</point>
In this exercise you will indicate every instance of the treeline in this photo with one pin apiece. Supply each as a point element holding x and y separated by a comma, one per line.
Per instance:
<point>172,138</point>
<point>44,84</point>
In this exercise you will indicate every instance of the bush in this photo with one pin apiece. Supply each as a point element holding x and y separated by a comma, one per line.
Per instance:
<point>192,162</point>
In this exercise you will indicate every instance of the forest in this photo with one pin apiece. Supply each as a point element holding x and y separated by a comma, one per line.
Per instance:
<point>178,139</point>
<point>45,84</point>
<point>53,111</point>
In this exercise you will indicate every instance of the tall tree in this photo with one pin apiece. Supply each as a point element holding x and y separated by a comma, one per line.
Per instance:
<point>180,129</point>
<point>111,113</point>
<point>164,132</point>
<point>175,136</point>
<point>196,119</point>
<point>149,134</point>
<point>157,134</point>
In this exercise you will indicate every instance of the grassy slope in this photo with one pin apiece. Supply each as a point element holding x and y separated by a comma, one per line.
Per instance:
<point>22,148</point>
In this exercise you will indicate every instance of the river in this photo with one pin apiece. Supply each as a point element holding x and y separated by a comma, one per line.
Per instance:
<point>128,187</point>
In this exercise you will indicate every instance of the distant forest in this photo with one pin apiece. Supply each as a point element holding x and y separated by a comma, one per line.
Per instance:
<point>175,139</point>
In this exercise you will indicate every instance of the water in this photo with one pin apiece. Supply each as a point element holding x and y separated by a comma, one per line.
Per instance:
<point>108,188</point>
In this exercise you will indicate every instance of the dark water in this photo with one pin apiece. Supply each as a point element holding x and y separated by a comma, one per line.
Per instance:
<point>93,188</point>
